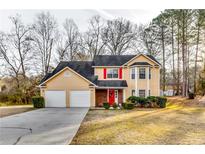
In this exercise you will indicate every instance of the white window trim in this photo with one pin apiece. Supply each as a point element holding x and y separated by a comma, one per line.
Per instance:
<point>112,73</point>
<point>134,93</point>
<point>145,72</point>
<point>133,68</point>
<point>141,90</point>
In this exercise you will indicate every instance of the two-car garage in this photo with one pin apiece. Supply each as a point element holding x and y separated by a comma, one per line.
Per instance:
<point>57,98</point>
<point>68,88</point>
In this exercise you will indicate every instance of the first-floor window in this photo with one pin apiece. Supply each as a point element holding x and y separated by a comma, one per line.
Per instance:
<point>133,92</point>
<point>141,93</point>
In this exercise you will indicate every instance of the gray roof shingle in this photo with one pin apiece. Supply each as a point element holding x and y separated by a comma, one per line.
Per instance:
<point>111,60</point>
<point>112,83</point>
<point>84,68</point>
<point>153,58</point>
<point>115,60</point>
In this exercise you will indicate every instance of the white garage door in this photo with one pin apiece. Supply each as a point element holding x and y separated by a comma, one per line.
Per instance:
<point>55,98</point>
<point>79,98</point>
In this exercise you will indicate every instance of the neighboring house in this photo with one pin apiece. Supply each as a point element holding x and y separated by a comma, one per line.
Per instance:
<point>108,78</point>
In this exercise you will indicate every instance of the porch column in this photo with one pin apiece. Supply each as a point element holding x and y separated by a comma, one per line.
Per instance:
<point>136,78</point>
<point>158,82</point>
<point>147,76</point>
<point>124,95</point>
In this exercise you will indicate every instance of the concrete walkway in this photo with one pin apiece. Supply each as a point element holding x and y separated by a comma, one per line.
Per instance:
<point>42,127</point>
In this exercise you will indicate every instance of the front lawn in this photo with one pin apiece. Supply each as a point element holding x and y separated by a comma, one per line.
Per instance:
<point>12,104</point>
<point>182,122</point>
<point>11,110</point>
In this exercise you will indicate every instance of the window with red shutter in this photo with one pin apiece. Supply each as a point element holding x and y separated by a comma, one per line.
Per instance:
<point>104,73</point>
<point>120,73</point>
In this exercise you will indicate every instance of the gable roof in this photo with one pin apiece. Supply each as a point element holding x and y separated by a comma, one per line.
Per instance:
<point>153,58</point>
<point>84,68</point>
<point>115,60</point>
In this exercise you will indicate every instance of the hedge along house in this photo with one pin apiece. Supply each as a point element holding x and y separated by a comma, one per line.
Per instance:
<point>108,78</point>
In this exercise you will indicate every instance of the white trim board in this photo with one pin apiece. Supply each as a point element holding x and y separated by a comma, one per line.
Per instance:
<point>141,55</point>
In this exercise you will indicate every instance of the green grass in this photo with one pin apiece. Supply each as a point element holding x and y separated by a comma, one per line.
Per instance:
<point>179,123</point>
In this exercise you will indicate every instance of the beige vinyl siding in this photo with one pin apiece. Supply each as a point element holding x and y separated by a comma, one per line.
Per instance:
<point>69,83</point>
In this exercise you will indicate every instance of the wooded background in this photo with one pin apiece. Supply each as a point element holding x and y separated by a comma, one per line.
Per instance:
<point>175,37</point>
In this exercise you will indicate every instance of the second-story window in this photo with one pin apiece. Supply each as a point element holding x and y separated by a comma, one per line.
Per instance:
<point>112,73</point>
<point>133,73</point>
<point>142,74</point>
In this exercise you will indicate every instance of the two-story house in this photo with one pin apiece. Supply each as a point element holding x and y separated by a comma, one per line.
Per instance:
<point>108,78</point>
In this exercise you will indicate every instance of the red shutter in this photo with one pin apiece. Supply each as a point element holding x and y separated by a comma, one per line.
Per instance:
<point>104,73</point>
<point>120,73</point>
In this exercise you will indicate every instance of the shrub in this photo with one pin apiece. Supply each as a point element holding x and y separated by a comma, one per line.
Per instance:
<point>161,102</point>
<point>152,98</point>
<point>123,105</point>
<point>191,95</point>
<point>106,105</point>
<point>38,102</point>
<point>133,99</point>
<point>142,101</point>
<point>128,105</point>
<point>3,98</point>
<point>115,105</point>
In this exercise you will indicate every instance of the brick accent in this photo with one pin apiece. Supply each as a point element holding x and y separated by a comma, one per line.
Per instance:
<point>101,97</point>
<point>120,96</point>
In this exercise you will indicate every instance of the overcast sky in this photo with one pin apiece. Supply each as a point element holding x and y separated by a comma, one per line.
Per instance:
<point>80,16</point>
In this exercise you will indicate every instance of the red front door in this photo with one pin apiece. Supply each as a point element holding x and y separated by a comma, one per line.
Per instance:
<point>111,96</point>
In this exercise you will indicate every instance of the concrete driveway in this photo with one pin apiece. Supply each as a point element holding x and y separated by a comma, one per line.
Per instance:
<point>42,126</point>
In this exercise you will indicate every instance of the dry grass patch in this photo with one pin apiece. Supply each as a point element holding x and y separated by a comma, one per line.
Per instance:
<point>176,124</point>
<point>11,110</point>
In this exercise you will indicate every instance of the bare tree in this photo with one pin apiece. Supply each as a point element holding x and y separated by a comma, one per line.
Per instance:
<point>149,40</point>
<point>118,36</point>
<point>9,58</point>
<point>92,39</point>
<point>69,48</point>
<point>14,49</point>
<point>44,36</point>
<point>18,37</point>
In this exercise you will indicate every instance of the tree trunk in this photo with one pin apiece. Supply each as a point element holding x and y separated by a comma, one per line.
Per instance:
<point>178,59</point>
<point>163,54</point>
<point>183,56</point>
<point>173,62</point>
<point>196,56</point>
